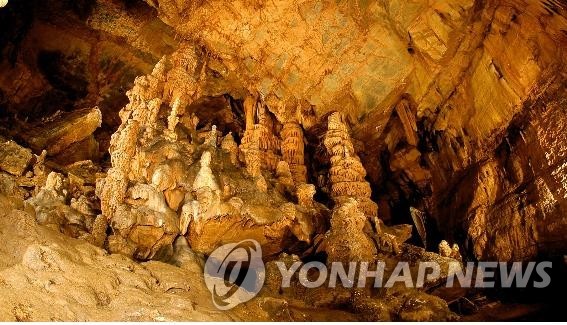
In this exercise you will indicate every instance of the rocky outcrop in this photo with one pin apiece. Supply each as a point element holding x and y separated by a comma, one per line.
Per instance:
<point>14,158</point>
<point>485,140</point>
<point>513,209</point>
<point>61,131</point>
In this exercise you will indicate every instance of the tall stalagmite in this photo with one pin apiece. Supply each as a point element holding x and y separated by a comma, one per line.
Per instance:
<point>347,175</point>
<point>260,145</point>
<point>293,151</point>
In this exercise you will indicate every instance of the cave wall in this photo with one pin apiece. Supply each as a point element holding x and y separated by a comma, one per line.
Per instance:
<point>66,55</point>
<point>496,153</point>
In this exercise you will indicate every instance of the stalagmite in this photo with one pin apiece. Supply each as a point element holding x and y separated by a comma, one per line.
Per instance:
<point>229,145</point>
<point>212,137</point>
<point>346,240</point>
<point>250,147</point>
<point>260,145</point>
<point>149,167</point>
<point>205,177</point>
<point>173,118</point>
<point>444,249</point>
<point>305,193</point>
<point>292,148</point>
<point>261,184</point>
<point>51,208</point>
<point>456,252</point>
<point>284,177</point>
<point>347,175</point>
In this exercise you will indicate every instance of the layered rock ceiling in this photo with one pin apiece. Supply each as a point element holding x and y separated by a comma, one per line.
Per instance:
<point>341,130</point>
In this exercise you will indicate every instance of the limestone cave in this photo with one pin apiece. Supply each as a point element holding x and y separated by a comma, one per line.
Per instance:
<point>139,137</point>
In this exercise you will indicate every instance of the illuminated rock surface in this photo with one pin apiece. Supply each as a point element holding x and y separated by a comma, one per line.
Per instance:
<point>152,132</point>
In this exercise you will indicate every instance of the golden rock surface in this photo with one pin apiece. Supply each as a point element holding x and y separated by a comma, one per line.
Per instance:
<point>317,128</point>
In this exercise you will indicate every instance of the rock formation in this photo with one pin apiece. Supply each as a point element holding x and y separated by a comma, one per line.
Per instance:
<point>347,175</point>
<point>55,207</point>
<point>449,251</point>
<point>147,163</point>
<point>452,112</point>
<point>14,159</point>
<point>285,182</point>
<point>346,240</point>
<point>154,190</point>
<point>305,193</point>
<point>64,130</point>
<point>293,151</point>
<point>229,145</point>
<point>260,145</point>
